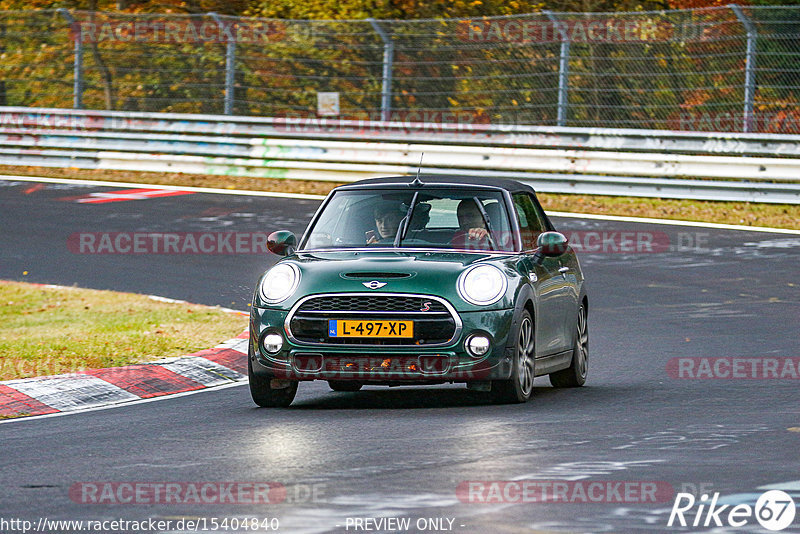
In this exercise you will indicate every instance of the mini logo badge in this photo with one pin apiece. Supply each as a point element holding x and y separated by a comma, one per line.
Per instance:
<point>374,284</point>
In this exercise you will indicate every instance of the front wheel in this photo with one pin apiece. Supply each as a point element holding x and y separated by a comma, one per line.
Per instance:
<point>519,387</point>
<point>575,375</point>
<point>265,395</point>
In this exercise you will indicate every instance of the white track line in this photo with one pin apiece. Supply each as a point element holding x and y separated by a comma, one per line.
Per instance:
<point>671,222</point>
<point>214,191</point>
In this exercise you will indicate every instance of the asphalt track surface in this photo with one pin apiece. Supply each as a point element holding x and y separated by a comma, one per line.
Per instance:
<point>402,452</point>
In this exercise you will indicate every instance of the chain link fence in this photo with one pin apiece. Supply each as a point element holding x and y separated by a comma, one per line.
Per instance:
<point>716,69</point>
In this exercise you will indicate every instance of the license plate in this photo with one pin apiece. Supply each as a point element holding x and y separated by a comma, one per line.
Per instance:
<point>358,328</point>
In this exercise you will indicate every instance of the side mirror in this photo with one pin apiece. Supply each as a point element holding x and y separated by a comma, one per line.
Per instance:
<point>552,243</point>
<point>282,242</point>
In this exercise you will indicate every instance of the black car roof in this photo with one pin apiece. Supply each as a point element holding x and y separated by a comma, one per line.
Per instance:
<point>449,180</point>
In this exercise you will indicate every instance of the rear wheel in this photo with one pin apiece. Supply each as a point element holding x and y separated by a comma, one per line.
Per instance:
<point>519,387</point>
<point>344,385</point>
<point>575,374</point>
<point>265,395</point>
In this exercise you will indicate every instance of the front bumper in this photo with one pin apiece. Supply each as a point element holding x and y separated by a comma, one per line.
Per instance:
<point>385,364</point>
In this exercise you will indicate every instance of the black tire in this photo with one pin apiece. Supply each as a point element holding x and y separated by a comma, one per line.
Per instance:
<point>264,395</point>
<point>575,375</point>
<point>344,385</point>
<point>519,387</point>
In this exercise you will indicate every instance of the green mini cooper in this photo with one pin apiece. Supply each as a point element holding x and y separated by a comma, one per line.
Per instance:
<point>421,280</point>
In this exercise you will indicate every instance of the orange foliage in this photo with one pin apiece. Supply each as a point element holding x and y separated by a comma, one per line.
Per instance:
<point>695,4</point>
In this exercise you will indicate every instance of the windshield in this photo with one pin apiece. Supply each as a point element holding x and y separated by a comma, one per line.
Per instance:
<point>407,218</point>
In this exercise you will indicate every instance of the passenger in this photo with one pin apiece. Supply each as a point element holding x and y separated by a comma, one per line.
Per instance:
<point>421,216</point>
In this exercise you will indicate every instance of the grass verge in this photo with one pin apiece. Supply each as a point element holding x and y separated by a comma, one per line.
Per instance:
<point>47,331</point>
<point>743,213</point>
<point>740,213</point>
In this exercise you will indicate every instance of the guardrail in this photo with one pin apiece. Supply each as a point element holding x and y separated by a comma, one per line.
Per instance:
<point>652,163</point>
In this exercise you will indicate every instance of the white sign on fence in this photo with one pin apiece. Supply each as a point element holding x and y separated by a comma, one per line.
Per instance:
<point>327,103</point>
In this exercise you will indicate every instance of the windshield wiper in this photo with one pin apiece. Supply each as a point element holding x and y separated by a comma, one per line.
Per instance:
<point>406,222</point>
<point>488,224</point>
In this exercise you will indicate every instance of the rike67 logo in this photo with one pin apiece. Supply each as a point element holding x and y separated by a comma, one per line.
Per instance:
<point>774,510</point>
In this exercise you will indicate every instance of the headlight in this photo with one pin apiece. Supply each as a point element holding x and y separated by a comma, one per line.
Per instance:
<point>279,283</point>
<point>482,285</point>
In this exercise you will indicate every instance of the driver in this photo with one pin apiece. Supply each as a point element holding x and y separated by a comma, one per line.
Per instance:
<point>472,230</point>
<point>387,220</point>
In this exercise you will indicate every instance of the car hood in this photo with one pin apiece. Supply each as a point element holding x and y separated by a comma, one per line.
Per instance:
<point>431,273</point>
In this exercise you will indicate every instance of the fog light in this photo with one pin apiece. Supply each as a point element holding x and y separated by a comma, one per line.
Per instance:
<point>478,346</point>
<point>272,343</point>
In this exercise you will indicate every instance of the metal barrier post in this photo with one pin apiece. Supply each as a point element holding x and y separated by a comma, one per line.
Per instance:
<point>77,86</point>
<point>230,61</point>
<point>563,69</point>
<point>750,67</point>
<point>388,58</point>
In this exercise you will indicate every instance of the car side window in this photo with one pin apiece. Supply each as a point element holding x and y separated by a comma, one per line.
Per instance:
<point>531,223</point>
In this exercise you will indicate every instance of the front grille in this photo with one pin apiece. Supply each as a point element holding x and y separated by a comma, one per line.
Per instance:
<point>381,303</point>
<point>435,326</point>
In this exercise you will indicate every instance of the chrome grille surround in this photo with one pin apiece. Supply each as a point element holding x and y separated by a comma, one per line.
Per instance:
<point>447,309</point>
